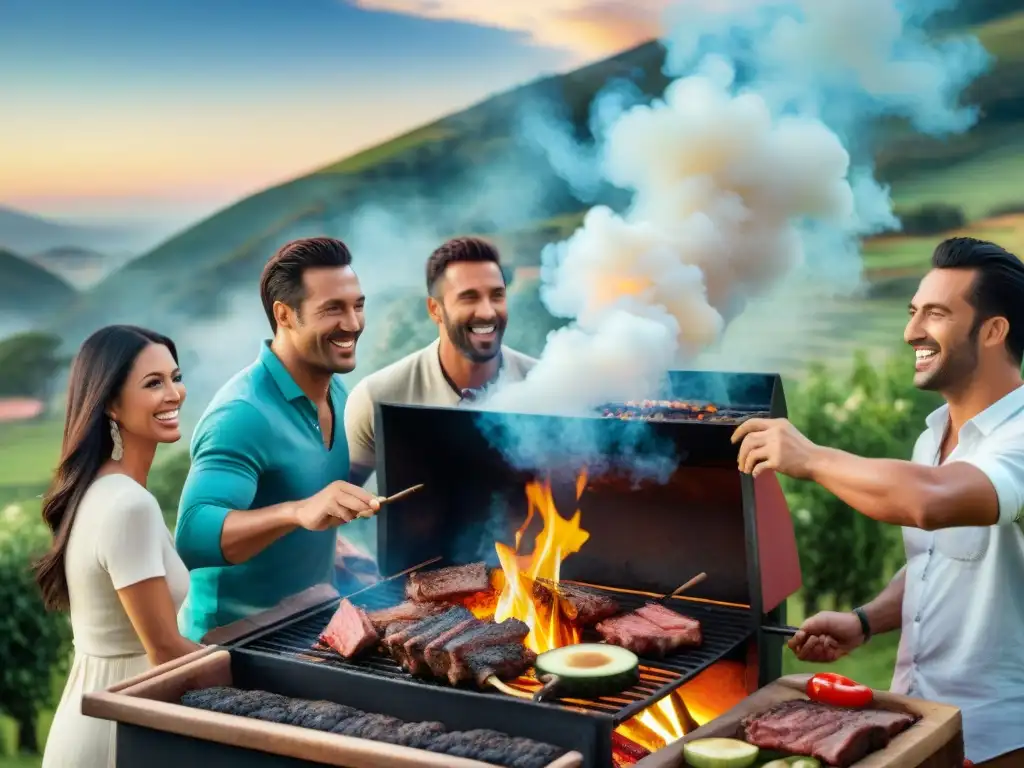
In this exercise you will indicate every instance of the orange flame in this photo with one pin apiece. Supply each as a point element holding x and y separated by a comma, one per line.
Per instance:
<point>557,539</point>
<point>710,694</point>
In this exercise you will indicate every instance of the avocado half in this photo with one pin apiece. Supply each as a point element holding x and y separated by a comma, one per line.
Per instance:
<point>589,669</point>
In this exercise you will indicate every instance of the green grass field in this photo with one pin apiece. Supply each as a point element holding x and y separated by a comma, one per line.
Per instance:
<point>979,184</point>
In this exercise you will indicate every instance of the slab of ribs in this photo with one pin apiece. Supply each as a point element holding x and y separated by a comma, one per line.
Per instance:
<point>484,745</point>
<point>834,735</point>
<point>433,634</point>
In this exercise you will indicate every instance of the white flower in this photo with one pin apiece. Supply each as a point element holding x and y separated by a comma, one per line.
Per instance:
<point>855,400</point>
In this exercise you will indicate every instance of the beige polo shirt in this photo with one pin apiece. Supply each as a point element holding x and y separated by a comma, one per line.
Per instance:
<point>416,379</point>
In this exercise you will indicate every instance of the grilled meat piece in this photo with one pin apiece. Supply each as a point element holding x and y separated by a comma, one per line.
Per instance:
<point>448,583</point>
<point>483,745</point>
<point>644,637</point>
<point>407,611</point>
<point>685,630</point>
<point>412,653</point>
<point>349,632</point>
<point>398,632</point>
<point>447,652</point>
<point>835,735</point>
<point>505,662</point>
<point>579,605</point>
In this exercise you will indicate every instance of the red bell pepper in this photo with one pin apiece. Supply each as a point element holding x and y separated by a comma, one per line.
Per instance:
<point>838,690</point>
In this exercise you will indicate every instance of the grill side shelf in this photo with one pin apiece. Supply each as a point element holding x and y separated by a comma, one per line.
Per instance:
<point>724,629</point>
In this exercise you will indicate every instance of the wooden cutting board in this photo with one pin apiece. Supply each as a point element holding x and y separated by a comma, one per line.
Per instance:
<point>935,741</point>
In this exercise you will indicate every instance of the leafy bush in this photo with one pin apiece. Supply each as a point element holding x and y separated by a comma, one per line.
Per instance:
<point>34,643</point>
<point>872,411</point>
<point>166,480</point>
<point>1007,209</point>
<point>28,364</point>
<point>932,219</point>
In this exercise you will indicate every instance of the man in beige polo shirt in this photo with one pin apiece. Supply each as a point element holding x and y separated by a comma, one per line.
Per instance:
<point>466,298</point>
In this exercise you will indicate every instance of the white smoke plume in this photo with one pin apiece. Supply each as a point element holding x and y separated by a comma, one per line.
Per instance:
<point>753,168</point>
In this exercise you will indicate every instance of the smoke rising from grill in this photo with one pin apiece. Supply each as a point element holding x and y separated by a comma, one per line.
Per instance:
<point>753,170</point>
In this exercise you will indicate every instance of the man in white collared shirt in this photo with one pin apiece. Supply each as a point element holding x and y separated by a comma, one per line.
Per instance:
<point>959,600</point>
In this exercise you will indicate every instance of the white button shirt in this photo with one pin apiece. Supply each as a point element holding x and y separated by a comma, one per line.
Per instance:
<point>962,639</point>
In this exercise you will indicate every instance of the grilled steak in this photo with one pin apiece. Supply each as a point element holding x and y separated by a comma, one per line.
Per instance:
<point>447,659</point>
<point>411,653</point>
<point>655,632</point>
<point>483,745</point>
<point>581,606</point>
<point>835,735</point>
<point>398,632</point>
<point>349,632</point>
<point>407,611</point>
<point>448,583</point>
<point>505,662</point>
<point>684,630</point>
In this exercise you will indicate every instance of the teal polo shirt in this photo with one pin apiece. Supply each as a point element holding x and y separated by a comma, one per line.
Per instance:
<point>257,444</point>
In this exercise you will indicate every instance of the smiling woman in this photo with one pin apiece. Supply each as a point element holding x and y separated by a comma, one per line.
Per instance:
<point>112,562</point>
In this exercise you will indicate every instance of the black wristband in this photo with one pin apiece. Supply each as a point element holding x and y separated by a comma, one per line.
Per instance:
<point>864,626</point>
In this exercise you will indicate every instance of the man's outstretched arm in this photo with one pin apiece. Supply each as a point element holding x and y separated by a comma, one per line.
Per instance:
<point>985,488</point>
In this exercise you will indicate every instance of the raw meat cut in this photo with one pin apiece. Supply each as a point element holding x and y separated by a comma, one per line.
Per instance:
<point>349,632</point>
<point>685,631</point>
<point>651,631</point>
<point>837,736</point>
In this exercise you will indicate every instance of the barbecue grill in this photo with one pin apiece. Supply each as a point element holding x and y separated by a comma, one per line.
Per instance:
<point>646,537</point>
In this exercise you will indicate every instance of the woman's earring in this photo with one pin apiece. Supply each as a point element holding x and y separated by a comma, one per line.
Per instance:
<point>115,436</point>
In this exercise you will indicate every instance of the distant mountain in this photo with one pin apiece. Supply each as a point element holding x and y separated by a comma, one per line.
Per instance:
<point>27,233</point>
<point>445,177</point>
<point>24,232</point>
<point>29,294</point>
<point>81,267</point>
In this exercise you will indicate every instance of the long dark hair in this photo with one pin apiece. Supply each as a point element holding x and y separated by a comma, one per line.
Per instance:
<point>97,376</point>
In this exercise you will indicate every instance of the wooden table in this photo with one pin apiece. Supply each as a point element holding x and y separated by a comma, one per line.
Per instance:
<point>935,741</point>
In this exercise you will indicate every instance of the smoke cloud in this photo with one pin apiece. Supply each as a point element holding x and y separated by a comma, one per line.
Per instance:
<point>752,173</point>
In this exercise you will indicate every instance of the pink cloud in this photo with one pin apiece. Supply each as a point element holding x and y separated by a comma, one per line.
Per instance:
<point>587,28</point>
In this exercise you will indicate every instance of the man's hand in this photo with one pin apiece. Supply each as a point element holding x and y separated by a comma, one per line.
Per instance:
<point>827,636</point>
<point>773,444</point>
<point>338,503</point>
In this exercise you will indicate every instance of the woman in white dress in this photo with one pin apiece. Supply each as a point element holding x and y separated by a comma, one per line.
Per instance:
<point>112,562</point>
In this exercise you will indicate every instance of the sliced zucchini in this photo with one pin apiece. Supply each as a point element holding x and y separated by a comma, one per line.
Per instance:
<point>719,753</point>
<point>587,669</point>
<point>795,761</point>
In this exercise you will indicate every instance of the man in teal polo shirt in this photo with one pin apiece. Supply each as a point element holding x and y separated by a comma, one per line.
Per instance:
<point>267,488</point>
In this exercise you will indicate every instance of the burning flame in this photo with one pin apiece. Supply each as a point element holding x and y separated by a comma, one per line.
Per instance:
<point>710,694</point>
<point>557,539</point>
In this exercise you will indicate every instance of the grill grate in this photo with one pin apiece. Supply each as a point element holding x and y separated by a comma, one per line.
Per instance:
<point>724,629</point>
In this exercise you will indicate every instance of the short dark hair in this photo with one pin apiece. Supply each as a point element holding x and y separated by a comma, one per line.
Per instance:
<point>998,289</point>
<point>460,249</point>
<point>282,276</point>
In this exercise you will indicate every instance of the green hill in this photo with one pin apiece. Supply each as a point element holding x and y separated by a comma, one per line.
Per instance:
<point>189,276</point>
<point>30,294</point>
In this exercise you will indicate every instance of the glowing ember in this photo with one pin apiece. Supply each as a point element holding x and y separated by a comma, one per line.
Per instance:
<point>710,694</point>
<point>557,539</point>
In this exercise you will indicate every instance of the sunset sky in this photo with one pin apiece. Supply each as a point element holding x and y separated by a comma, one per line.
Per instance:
<point>171,108</point>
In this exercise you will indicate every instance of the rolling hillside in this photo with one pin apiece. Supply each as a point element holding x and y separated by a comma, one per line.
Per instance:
<point>30,294</point>
<point>454,161</point>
